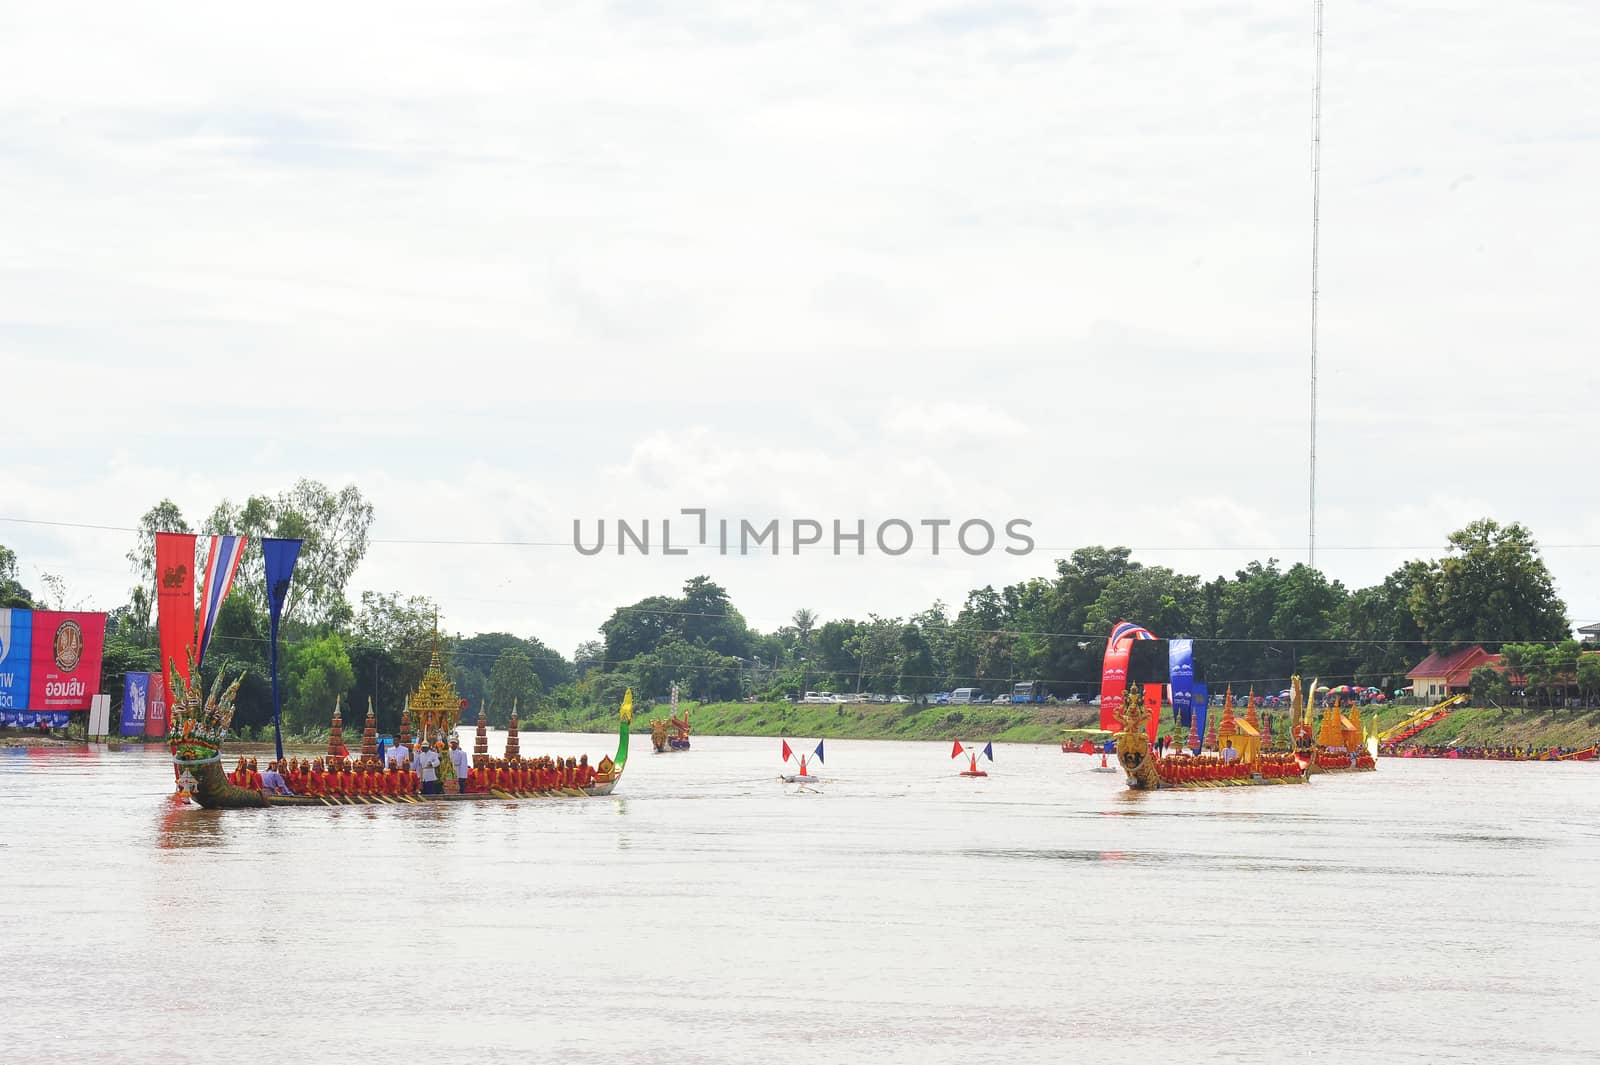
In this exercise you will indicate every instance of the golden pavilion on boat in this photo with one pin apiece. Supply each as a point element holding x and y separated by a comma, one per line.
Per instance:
<point>434,708</point>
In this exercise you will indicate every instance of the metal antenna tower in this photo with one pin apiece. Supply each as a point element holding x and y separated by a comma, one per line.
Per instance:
<point>1316,228</point>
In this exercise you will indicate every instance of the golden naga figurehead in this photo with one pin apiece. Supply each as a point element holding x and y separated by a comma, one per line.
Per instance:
<point>626,713</point>
<point>1133,744</point>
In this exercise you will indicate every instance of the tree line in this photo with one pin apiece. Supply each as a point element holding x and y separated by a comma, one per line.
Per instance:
<point>1254,627</point>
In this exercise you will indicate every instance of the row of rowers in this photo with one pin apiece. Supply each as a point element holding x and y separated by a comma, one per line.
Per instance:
<point>399,776</point>
<point>1182,768</point>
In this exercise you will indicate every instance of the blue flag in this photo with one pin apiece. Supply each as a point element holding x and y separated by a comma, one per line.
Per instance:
<point>280,556</point>
<point>819,753</point>
<point>988,751</point>
<point>1202,704</point>
<point>1180,674</point>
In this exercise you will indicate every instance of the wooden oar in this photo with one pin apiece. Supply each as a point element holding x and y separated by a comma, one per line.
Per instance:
<point>497,793</point>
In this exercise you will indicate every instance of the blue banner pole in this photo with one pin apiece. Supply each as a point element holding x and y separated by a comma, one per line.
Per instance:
<point>279,556</point>
<point>277,721</point>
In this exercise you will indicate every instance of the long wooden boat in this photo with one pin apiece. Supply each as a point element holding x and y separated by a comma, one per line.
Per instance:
<point>199,729</point>
<point>1249,767</point>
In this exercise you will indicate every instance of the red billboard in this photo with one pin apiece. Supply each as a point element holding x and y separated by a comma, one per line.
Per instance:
<point>66,659</point>
<point>155,715</point>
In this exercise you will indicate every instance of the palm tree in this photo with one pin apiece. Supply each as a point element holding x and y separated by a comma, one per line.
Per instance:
<point>804,621</point>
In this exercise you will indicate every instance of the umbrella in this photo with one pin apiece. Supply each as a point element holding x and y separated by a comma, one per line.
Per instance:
<point>1343,689</point>
<point>1286,693</point>
<point>1401,691</point>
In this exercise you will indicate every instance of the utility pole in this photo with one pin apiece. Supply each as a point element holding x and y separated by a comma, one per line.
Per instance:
<point>1316,227</point>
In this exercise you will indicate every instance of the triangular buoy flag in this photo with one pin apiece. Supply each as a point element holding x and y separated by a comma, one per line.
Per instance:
<point>955,752</point>
<point>819,752</point>
<point>787,753</point>
<point>988,751</point>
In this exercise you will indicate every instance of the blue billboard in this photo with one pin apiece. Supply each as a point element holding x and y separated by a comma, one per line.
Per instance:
<point>16,650</point>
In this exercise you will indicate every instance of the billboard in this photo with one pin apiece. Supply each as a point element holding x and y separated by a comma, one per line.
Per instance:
<point>16,645</point>
<point>65,664</point>
<point>135,703</point>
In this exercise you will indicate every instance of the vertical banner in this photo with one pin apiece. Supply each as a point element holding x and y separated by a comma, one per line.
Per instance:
<point>16,657</point>
<point>175,600</point>
<point>1113,682</point>
<point>65,672</point>
<point>155,717</point>
<point>1180,674</point>
<point>1202,705</point>
<point>280,557</point>
<point>222,562</point>
<point>135,703</point>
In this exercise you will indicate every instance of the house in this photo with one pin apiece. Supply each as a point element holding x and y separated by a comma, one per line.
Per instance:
<point>1589,633</point>
<point>1442,675</point>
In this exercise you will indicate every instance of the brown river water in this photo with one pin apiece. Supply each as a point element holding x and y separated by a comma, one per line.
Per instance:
<point>1431,912</point>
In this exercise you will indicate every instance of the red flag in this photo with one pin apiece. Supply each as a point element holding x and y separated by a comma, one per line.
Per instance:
<point>787,753</point>
<point>175,600</point>
<point>957,752</point>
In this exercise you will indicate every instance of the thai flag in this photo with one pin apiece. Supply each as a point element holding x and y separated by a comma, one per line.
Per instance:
<point>1127,629</point>
<point>222,562</point>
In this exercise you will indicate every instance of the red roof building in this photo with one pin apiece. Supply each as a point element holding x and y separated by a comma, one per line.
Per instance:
<point>1441,675</point>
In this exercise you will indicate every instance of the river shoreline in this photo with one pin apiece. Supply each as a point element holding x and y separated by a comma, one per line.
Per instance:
<point>1046,724</point>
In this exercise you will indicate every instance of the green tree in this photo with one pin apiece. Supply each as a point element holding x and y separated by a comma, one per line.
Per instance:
<point>165,516</point>
<point>12,593</point>
<point>391,643</point>
<point>316,671</point>
<point>1488,686</point>
<point>804,621</point>
<point>513,682</point>
<point>1588,676</point>
<point>1156,597</point>
<point>335,528</point>
<point>1492,587</point>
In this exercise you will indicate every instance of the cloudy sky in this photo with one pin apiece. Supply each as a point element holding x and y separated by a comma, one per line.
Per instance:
<point>504,265</point>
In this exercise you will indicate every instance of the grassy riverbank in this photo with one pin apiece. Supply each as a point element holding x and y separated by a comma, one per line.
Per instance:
<point>1045,724</point>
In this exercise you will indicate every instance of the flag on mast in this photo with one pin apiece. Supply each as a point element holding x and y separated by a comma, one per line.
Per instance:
<point>222,562</point>
<point>988,751</point>
<point>787,753</point>
<point>280,556</point>
<point>819,752</point>
<point>955,752</point>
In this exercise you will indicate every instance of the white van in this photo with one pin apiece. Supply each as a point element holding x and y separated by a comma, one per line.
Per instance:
<point>966,695</point>
<point>815,697</point>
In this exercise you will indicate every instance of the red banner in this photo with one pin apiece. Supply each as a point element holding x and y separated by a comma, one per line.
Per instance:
<point>66,659</point>
<point>1152,702</point>
<point>175,600</point>
<point>155,714</point>
<point>1113,683</point>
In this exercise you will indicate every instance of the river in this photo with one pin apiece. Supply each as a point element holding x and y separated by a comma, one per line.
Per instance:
<point>1431,912</point>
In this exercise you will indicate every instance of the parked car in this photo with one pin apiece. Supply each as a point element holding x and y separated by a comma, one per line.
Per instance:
<point>1095,701</point>
<point>1076,698</point>
<point>899,698</point>
<point>817,697</point>
<point>962,696</point>
<point>1002,699</point>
